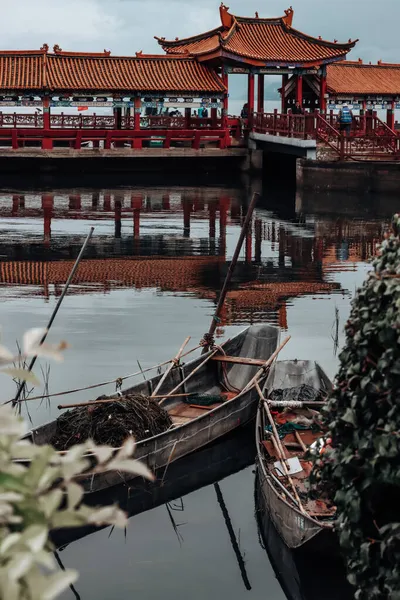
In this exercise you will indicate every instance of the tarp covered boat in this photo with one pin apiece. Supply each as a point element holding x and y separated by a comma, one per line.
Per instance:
<point>302,385</point>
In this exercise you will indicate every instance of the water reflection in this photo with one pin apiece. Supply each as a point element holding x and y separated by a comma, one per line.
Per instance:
<point>150,277</point>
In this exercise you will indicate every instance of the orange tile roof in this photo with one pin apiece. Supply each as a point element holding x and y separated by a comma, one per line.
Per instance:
<point>349,77</point>
<point>266,41</point>
<point>63,71</point>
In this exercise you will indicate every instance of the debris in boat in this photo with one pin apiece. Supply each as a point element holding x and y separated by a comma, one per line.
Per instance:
<point>135,415</point>
<point>300,393</point>
<point>204,400</point>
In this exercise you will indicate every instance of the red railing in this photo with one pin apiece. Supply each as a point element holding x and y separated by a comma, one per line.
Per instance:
<point>65,121</point>
<point>287,125</point>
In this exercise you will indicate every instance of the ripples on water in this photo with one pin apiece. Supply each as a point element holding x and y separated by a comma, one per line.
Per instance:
<point>150,277</point>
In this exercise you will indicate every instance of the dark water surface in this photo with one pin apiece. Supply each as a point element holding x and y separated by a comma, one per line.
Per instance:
<point>151,277</point>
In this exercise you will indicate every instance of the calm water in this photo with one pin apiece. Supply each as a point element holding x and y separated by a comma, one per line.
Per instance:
<point>151,277</point>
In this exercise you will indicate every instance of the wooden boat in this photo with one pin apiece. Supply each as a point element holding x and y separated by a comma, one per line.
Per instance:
<point>213,463</point>
<point>308,525</point>
<point>194,427</point>
<point>300,577</point>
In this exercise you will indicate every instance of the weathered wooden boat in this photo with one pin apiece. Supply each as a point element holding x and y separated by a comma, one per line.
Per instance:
<point>301,522</point>
<point>193,426</point>
<point>213,463</point>
<point>301,577</point>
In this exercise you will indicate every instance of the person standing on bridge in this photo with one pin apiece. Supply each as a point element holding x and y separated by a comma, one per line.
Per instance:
<point>297,109</point>
<point>345,119</point>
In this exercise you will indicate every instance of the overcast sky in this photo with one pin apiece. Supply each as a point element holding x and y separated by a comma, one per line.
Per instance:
<point>125,26</point>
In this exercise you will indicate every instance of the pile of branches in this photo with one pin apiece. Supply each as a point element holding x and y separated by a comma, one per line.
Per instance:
<point>361,469</point>
<point>111,424</point>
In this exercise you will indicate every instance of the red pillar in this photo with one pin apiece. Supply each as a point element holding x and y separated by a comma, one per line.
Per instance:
<point>390,115</point>
<point>118,217</point>
<point>223,219</point>
<point>166,202</point>
<point>299,89</point>
<point>322,93</point>
<point>136,204</point>
<point>107,202</point>
<point>95,199</point>
<point>47,205</point>
<point>285,79</point>
<point>188,117</point>
<point>137,111</point>
<point>258,241</point>
<point>187,207</point>
<point>260,94</point>
<point>212,214</point>
<point>249,245</point>
<point>15,205</point>
<point>47,143</point>
<point>225,81</point>
<point>75,202</point>
<point>250,97</point>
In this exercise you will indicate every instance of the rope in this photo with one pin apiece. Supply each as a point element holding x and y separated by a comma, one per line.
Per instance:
<point>118,381</point>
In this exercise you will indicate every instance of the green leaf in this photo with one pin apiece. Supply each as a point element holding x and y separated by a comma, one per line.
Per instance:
<point>12,483</point>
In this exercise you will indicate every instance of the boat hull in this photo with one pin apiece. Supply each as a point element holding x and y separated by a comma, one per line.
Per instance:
<point>160,451</point>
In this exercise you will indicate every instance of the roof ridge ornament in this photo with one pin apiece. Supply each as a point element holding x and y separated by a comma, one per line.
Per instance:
<point>288,18</point>
<point>57,49</point>
<point>45,48</point>
<point>226,17</point>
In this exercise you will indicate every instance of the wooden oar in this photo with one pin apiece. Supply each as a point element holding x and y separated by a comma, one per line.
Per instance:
<point>222,296</point>
<point>279,448</point>
<point>171,366</point>
<point>267,364</point>
<point>118,399</point>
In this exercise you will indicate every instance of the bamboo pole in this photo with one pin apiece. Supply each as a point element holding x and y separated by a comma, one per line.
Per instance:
<point>97,385</point>
<point>190,375</point>
<point>267,364</point>
<point>55,311</point>
<point>279,448</point>
<point>118,399</point>
<point>171,366</point>
<point>300,441</point>
<point>232,266</point>
<point>295,404</point>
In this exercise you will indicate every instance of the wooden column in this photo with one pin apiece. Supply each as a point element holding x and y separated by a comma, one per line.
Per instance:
<point>299,89</point>
<point>225,81</point>
<point>47,143</point>
<point>285,79</point>
<point>107,202</point>
<point>75,202</point>
<point>258,241</point>
<point>260,93</point>
<point>166,202</point>
<point>118,217</point>
<point>250,97</point>
<point>223,219</point>
<point>249,245</point>
<point>137,111</point>
<point>187,207</point>
<point>390,115</point>
<point>47,205</point>
<point>188,117</point>
<point>15,205</point>
<point>322,93</point>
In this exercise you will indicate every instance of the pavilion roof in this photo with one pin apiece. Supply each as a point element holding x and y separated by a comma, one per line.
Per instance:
<point>355,77</point>
<point>260,41</point>
<point>39,70</point>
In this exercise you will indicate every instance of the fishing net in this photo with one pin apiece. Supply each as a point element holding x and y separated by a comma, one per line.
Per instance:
<point>134,415</point>
<point>301,393</point>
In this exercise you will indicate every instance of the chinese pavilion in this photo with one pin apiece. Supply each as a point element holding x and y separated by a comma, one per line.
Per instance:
<point>258,47</point>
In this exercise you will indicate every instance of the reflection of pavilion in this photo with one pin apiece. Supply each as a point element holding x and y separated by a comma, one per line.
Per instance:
<point>281,260</point>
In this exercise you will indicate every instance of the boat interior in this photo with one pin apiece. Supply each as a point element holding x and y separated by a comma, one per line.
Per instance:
<point>204,386</point>
<point>297,429</point>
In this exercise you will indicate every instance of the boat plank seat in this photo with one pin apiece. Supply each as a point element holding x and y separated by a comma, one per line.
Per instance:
<point>238,360</point>
<point>189,411</point>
